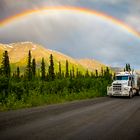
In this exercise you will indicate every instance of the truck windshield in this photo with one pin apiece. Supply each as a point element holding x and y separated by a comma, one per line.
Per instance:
<point>121,77</point>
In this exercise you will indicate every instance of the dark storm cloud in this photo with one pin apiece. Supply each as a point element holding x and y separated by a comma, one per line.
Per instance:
<point>90,38</point>
<point>81,39</point>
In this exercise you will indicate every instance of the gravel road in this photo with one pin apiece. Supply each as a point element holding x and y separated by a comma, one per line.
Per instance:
<point>96,119</point>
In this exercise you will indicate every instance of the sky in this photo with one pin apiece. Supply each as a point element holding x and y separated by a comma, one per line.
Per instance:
<point>75,33</point>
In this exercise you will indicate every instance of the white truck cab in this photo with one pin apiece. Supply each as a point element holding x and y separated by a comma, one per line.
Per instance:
<point>125,84</point>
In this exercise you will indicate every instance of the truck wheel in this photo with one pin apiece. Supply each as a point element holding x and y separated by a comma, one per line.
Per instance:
<point>139,92</point>
<point>130,94</point>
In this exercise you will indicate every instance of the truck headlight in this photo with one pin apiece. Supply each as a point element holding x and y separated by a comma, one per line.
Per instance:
<point>109,88</point>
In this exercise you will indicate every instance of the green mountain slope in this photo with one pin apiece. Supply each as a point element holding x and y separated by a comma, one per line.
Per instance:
<point>91,64</point>
<point>18,53</point>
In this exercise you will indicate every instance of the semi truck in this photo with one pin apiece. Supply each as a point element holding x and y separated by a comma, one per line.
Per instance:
<point>125,84</point>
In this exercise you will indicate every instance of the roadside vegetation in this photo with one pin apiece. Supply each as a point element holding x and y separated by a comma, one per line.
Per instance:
<point>29,88</point>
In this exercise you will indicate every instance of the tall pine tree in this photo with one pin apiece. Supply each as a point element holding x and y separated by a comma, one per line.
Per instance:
<point>18,73</point>
<point>96,73</point>
<point>87,73</point>
<point>43,69</point>
<point>29,67</point>
<point>67,69</point>
<point>34,67</point>
<point>73,72</point>
<point>127,67</point>
<point>51,69</point>
<point>60,71</point>
<point>102,71</point>
<point>77,73</point>
<point>5,67</point>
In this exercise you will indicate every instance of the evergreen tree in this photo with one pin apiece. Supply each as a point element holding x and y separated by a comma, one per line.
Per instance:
<point>80,74</point>
<point>77,73</point>
<point>18,73</point>
<point>63,74</point>
<point>114,76</point>
<point>126,67</point>
<point>60,72</point>
<point>102,72</point>
<point>73,72</point>
<point>107,70</point>
<point>14,75</point>
<point>92,75</point>
<point>43,69</point>
<point>108,75</point>
<point>87,74</point>
<point>51,68</point>
<point>96,73</point>
<point>34,67</point>
<point>29,67</point>
<point>129,68</point>
<point>67,69</point>
<point>5,67</point>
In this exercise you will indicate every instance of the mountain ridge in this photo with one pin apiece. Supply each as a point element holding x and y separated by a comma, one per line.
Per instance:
<point>18,53</point>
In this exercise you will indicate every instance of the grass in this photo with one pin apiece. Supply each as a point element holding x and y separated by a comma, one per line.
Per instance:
<point>34,99</point>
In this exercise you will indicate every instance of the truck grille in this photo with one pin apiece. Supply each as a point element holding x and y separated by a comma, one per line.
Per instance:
<point>117,87</point>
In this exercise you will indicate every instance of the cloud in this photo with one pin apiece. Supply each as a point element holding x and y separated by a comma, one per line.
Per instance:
<point>120,9</point>
<point>76,34</point>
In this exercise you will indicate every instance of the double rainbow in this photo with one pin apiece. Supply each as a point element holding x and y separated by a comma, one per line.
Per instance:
<point>76,10</point>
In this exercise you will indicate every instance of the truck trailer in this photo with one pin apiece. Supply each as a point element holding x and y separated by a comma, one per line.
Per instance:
<point>125,84</point>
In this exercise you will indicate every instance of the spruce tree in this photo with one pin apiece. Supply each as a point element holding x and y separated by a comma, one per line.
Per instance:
<point>87,73</point>
<point>96,73</point>
<point>29,67</point>
<point>34,67</point>
<point>114,76</point>
<point>129,68</point>
<point>77,73</point>
<point>107,70</point>
<point>67,69</point>
<point>92,75</point>
<point>102,71</point>
<point>108,75</point>
<point>126,67</point>
<point>18,73</point>
<point>51,69</point>
<point>60,71</point>
<point>73,72</point>
<point>5,67</point>
<point>63,74</point>
<point>43,70</point>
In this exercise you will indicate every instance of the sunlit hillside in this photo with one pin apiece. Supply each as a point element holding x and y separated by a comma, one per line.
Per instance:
<point>91,64</point>
<point>18,53</point>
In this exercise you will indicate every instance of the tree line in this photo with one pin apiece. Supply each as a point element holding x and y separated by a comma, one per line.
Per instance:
<point>48,81</point>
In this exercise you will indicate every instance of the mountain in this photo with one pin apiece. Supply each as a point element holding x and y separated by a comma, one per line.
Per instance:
<point>18,53</point>
<point>117,69</point>
<point>91,64</point>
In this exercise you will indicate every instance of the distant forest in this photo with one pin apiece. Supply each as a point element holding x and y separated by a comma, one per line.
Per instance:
<point>29,88</point>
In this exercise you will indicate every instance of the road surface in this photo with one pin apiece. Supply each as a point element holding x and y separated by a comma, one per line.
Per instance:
<point>96,119</point>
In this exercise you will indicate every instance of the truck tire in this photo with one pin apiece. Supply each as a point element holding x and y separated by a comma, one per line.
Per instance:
<point>130,94</point>
<point>139,93</point>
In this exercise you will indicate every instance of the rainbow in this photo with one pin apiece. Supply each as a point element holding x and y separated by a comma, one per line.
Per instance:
<point>74,9</point>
